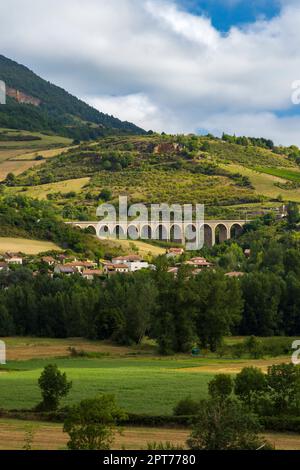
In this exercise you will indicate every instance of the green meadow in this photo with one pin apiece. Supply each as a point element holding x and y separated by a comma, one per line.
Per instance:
<point>284,173</point>
<point>151,386</point>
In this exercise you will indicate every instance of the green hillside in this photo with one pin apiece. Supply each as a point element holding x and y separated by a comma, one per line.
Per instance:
<point>230,178</point>
<point>59,111</point>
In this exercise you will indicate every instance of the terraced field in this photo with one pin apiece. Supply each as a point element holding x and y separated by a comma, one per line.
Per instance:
<point>17,156</point>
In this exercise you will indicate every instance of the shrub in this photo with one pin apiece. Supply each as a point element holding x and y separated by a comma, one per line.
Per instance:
<point>92,423</point>
<point>163,446</point>
<point>225,426</point>
<point>254,346</point>
<point>186,407</point>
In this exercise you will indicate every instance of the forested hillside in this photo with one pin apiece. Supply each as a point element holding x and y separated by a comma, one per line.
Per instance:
<point>234,178</point>
<point>58,112</point>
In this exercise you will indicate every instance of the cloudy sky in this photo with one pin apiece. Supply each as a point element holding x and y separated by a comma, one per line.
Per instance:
<point>168,65</point>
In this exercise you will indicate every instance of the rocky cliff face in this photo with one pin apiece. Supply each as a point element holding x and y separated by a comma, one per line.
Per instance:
<point>22,97</point>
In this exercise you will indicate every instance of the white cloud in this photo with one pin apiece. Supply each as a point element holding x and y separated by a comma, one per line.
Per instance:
<point>151,62</point>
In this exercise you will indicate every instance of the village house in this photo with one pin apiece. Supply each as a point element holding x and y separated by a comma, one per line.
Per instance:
<point>12,258</point>
<point>62,258</point>
<point>48,260</point>
<point>91,274</point>
<point>81,266</point>
<point>174,252</point>
<point>235,274</point>
<point>174,271</point>
<point>198,263</point>
<point>133,262</point>
<point>126,259</point>
<point>3,266</point>
<point>66,270</point>
<point>111,268</point>
<point>137,266</point>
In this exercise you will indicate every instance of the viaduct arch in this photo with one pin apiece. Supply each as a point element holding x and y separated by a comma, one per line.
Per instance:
<point>214,231</point>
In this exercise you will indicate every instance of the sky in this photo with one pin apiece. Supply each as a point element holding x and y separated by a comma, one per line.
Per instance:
<point>178,66</point>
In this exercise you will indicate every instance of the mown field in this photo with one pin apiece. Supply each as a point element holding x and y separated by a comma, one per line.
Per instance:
<point>28,247</point>
<point>50,436</point>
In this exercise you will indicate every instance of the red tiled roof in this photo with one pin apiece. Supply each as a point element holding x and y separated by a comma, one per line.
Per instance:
<point>235,274</point>
<point>90,272</point>
<point>129,258</point>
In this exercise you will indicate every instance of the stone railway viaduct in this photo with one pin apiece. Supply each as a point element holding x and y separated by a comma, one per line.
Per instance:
<point>215,231</point>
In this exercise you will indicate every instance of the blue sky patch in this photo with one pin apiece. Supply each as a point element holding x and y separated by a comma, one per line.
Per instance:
<point>227,13</point>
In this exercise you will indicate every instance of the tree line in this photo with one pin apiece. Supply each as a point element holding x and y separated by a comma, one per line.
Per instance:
<point>178,313</point>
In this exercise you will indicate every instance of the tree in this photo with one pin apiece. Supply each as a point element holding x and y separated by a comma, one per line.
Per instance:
<point>233,258</point>
<point>221,387</point>
<point>54,386</point>
<point>186,407</point>
<point>92,423</point>
<point>284,387</point>
<point>6,322</point>
<point>218,304</point>
<point>225,425</point>
<point>105,195</point>
<point>293,216</point>
<point>10,179</point>
<point>254,346</point>
<point>262,294</point>
<point>249,384</point>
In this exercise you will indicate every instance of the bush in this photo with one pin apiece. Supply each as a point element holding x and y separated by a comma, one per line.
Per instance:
<point>158,421</point>
<point>225,426</point>
<point>254,347</point>
<point>186,407</point>
<point>163,446</point>
<point>92,423</point>
<point>281,423</point>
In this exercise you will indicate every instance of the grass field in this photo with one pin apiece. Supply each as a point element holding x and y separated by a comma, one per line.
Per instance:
<point>264,183</point>
<point>141,385</point>
<point>23,245</point>
<point>49,436</point>
<point>142,381</point>
<point>137,246</point>
<point>284,173</point>
<point>45,141</point>
<point>40,192</point>
<point>16,167</point>
<point>44,153</point>
<point>18,156</point>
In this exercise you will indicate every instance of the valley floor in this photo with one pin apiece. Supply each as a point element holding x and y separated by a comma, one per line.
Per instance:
<point>48,436</point>
<point>142,381</point>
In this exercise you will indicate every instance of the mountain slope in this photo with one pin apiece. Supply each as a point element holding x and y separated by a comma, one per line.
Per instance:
<point>232,180</point>
<point>37,105</point>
